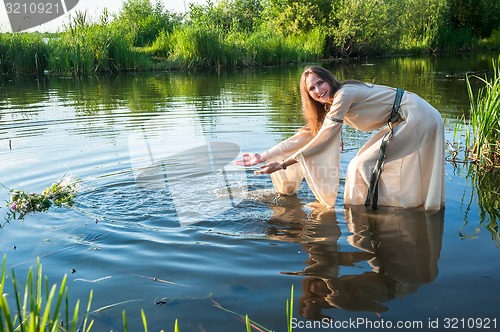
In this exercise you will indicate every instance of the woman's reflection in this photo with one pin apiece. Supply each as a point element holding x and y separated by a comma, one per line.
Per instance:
<point>395,251</point>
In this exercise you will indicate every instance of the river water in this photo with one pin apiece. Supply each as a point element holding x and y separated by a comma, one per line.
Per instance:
<point>163,222</point>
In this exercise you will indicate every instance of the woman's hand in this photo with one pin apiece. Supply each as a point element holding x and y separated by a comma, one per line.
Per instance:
<point>249,159</point>
<point>269,168</point>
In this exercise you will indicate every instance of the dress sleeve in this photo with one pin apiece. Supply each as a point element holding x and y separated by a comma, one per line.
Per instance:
<point>287,181</point>
<point>320,158</point>
<point>287,147</point>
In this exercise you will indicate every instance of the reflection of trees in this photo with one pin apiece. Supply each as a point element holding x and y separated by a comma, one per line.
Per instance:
<point>284,100</point>
<point>400,247</point>
<point>485,194</point>
<point>29,95</point>
<point>23,101</point>
<point>273,91</point>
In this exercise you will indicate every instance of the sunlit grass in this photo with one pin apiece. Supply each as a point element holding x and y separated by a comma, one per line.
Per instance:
<point>22,53</point>
<point>197,48</point>
<point>40,307</point>
<point>483,138</point>
<point>86,48</point>
<point>480,148</point>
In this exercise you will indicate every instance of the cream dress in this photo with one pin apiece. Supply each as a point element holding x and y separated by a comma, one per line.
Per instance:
<point>413,173</point>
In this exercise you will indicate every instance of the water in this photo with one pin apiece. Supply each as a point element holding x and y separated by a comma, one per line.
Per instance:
<point>152,231</point>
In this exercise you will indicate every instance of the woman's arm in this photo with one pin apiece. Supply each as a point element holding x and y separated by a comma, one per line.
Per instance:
<point>250,159</point>
<point>275,166</point>
<point>310,146</point>
<point>285,148</point>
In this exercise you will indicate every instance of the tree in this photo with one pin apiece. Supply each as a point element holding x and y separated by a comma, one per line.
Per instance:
<point>480,16</point>
<point>144,20</point>
<point>295,16</point>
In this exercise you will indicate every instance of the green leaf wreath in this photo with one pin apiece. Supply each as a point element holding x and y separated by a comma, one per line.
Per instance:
<point>61,193</point>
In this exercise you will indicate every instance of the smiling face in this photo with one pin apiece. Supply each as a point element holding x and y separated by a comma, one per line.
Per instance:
<point>318,88</point>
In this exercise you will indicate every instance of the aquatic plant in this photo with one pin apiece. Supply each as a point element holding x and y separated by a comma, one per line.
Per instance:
<point>22,53</point>
<point>86,48</point>
<point>193,47</point>
<point>249,324</point>
<point>60,193</point>
<point>480,150</point>
<point>39,308</point>
<point>483,138</point>
<point>237,33</point>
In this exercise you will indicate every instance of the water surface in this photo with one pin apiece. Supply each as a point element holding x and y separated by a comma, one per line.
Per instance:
<point>187,235</point>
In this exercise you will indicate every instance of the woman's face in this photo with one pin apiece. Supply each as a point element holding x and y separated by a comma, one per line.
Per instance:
<point>318,89</point>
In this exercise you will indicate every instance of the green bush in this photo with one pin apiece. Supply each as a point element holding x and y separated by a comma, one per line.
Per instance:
<point>143,22</point>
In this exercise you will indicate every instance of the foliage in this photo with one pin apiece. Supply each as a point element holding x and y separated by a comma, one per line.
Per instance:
<point>196,47</point>
<point>40,307</point>
<point>226,15</point>
<point>484,134</point>
<point>295,16</point>
<point>210,48</point>
<point>357,25</point>
<point>144,21</point>
<point>22,53</point>
<point>420,22</point>
<point>237,33</point>
<point>382,26</point>
<point>480,16</point>
<point>461,39</point>
<point>61,193</point>
<point>482,139</point>
<point>87,48</point>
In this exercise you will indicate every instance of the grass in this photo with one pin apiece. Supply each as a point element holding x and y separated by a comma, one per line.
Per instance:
<point>481,148</point>
<point>86,48</point>
<point>483,138</point>
<point>40,307</point>
<point>196,48</point>
<point>22,53</point>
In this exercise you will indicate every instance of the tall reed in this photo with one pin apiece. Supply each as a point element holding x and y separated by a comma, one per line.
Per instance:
<point>481,147</point>
<point>193,47</point>
<point>22,53</point>
<point>483,138</point>
<point>86,48</point>
<point>39,308</point>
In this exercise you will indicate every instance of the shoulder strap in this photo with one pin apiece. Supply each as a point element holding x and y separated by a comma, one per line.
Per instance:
<point>372,196</point>
<point>397,104</point>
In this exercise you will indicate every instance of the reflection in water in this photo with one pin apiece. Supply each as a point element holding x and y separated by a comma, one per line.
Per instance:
<point>483,192</point>
<point>394,250</point>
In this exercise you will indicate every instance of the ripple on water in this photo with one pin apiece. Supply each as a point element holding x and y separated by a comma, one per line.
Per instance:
<point>205,204</point>
<point>122,201</point>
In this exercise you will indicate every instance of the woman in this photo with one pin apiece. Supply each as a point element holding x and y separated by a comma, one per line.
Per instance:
<point>402,165</point>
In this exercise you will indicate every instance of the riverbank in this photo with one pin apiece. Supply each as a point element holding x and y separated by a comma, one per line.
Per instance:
<point>241,33</point>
